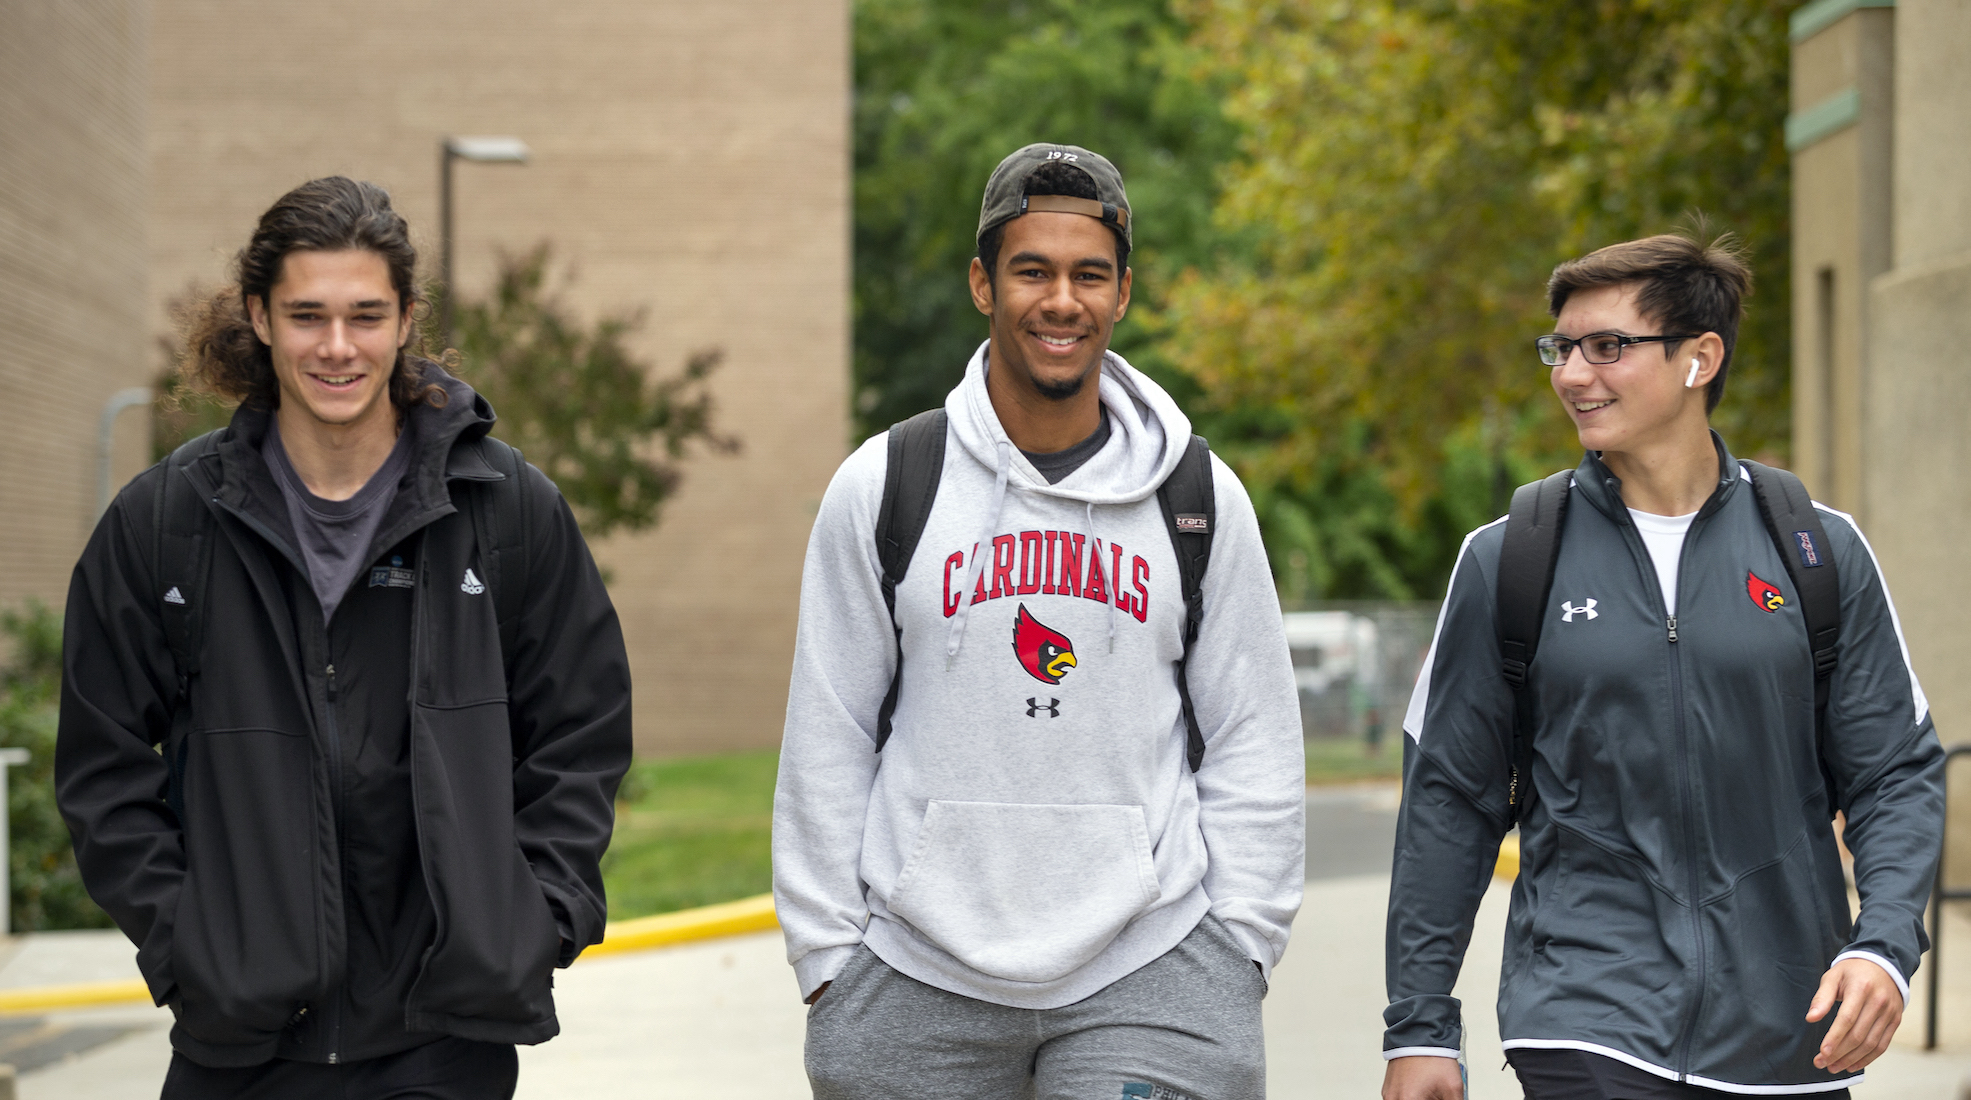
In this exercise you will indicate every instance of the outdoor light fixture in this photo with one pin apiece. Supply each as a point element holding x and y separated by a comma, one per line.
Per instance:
<point>500,149</point>
<point>482,150</point>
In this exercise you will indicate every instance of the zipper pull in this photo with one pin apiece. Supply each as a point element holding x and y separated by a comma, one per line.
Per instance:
<point>331,680</point>
<point>1673,629</point>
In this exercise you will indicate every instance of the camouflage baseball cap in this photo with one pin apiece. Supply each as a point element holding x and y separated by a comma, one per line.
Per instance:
<point>1006,198</point>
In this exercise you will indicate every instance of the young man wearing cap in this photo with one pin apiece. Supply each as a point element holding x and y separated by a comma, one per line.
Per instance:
<point>1007,869</point>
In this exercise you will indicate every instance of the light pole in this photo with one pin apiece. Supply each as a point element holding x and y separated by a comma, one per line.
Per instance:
<point>483,150</point>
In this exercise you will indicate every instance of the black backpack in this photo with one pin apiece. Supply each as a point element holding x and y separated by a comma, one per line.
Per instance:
<point>1526,577</point>
<point>910,487</point>
<point>184,530</point>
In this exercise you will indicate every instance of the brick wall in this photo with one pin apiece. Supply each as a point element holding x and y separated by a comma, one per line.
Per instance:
<point>690,160</point>
<point>72,330</point>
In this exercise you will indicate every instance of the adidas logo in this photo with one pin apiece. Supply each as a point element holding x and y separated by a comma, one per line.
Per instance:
<point>173,596</point>
<point>472,585</point>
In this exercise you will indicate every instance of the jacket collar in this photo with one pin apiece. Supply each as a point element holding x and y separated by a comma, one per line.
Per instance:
<point>1603,489</point>
<point>450,444</point>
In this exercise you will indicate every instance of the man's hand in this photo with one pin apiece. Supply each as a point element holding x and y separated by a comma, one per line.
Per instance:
<point>1871,1010</point>
<point>1422,1077</point>
<point>818,991</point>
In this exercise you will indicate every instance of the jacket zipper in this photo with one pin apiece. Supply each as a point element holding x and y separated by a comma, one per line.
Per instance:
<point>1690,826</point>
<point>334,1028</point>
<point>333,1015</point>
<point>418,598</point>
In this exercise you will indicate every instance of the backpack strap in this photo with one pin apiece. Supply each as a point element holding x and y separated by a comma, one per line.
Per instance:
<point>1190,511</point>
<point>910,487</point>
<point>183,532</point>
<point>1797,534</point>
<point>1526,578</point>
<point>502,521</point>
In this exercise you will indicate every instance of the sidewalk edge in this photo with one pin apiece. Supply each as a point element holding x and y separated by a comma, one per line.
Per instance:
<point>731,918</point>
<point>1508,866</point>
<point>13,1002</point>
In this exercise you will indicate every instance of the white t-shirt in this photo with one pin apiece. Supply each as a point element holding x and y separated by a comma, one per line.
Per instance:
<point>1664,536</point>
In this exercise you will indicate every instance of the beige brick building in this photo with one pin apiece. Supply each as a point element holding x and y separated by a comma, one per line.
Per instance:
<point>1842,114</point>
<point>689,160</point>
<point>1881,137</point>
<point>72,310</point>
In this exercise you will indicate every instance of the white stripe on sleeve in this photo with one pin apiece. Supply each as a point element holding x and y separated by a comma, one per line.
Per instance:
<point>1413,718</point>
<point>1920,701</point>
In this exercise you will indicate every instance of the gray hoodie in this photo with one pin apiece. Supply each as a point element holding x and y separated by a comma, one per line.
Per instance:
<point>1031,832</point>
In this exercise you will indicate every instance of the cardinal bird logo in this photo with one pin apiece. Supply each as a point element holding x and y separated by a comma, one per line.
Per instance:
<point>1763,594</point>
<point>1044,652</point>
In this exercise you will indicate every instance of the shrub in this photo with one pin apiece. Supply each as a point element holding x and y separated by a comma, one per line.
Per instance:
<point>45,887</point>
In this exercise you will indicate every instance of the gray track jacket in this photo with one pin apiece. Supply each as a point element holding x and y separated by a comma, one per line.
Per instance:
<point>1680,894</point>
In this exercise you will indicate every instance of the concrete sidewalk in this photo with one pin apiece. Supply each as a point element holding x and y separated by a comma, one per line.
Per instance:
<point>720,1019</point>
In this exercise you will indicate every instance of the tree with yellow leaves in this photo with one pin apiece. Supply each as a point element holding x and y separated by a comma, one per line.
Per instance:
<point>1410,174</point>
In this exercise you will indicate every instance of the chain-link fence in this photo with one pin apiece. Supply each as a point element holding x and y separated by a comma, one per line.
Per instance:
<point>1355,662</point>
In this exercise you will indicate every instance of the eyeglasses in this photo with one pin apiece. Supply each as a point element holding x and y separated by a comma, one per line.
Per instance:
<point>1600,348</point>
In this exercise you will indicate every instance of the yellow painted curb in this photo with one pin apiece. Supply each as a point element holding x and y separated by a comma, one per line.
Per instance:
<point>729,919</point>
<point>80,995</point>
<point>1508,866</point>
<point>732,918</point>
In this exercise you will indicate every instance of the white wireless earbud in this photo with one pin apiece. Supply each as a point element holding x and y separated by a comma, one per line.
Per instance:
<point>1690,382</point>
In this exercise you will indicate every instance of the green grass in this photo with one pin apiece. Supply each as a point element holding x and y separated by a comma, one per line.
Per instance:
<point>691,831</point>
<point>1347,760</point>
<point>697,830</point>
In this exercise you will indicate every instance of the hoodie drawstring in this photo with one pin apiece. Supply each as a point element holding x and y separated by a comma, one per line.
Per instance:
<point>980,548</point>
<point>1115,595</point>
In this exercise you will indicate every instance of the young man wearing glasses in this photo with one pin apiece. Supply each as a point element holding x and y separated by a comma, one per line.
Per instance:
<point>1680,925</point>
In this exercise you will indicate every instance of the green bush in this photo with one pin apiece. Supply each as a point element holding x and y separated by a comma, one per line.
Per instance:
<point>45,886</point>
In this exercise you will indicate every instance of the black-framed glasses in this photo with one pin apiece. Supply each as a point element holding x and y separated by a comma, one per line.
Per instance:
<point>1599,348</point>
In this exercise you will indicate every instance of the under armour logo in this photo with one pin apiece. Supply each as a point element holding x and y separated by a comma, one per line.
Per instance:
<point>174,596</point>
<point>1051,706</point>
<point>471,585</point>
<point>1570,611</point>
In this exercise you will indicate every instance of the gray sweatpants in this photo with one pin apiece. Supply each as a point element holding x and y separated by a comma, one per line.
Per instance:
<point>1185,1027</point>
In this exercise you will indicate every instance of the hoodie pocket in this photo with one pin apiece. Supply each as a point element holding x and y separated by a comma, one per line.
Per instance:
<point>1026,893</point>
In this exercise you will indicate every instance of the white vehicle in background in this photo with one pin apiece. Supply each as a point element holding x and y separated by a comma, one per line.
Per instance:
<point>1338,667</point>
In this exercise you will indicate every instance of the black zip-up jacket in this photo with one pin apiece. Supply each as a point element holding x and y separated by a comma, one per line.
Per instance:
<point>263,917</point>
<point>1680,895</point>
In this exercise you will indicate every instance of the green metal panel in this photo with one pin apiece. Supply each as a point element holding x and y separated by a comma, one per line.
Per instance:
<point>1819,15</point>
<point>1831,115</point>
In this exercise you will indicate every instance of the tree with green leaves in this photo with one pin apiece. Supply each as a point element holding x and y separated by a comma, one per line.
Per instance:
<point>46,887</point>
<point>1346,216</point>
<point>1410,172</point>
<point>946,88</point>
<point>605,427</point>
